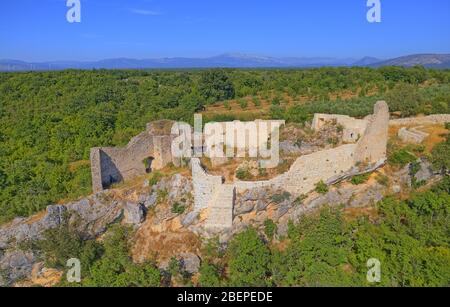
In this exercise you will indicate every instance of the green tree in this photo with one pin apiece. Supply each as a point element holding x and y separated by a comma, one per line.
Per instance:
<point>316,254</point>
<point>209,276</point>
<point>405,98</point>
<point>270,228</point>
<point>249,260</point>
<point>441,156</point>
<point>215,85</point>
<point>115,267</point>
<point>59,245</point>
<point>322,187</point>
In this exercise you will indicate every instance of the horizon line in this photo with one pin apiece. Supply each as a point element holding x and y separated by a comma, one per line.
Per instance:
<point>230,54</point>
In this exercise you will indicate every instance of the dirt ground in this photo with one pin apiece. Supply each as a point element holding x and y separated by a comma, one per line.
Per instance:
<point>163,241</point>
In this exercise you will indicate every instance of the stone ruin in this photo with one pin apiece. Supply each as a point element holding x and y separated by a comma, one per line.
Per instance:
<point>148,151</point>
<point>364,151</point>
<point>412,135</point>
<point>353,128</point>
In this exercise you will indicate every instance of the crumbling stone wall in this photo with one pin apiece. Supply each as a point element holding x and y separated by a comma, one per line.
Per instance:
<point>96,165</point>
<point>353,128</point>
<point>252,136</point>
<point>307,171</point>
<point>424,120</point>
<point>205,185</point>
<point>372,146</point>
<point>412,135</point>
<point>113,164</point>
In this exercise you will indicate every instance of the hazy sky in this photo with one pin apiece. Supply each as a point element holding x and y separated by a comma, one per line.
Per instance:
<point>37,30</point>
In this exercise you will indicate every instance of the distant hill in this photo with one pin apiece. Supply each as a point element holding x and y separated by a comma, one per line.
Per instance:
<point>427,60</point>
<point>229,60</point>
<point>366,61</point>
<point>14,65</point>
<point>222,61</point>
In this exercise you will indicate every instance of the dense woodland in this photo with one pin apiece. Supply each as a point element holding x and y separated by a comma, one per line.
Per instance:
<point>50,120</point>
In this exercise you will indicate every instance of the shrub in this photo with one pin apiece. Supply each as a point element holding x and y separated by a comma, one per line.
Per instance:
<point>299,200</point>
<point>249,260</point>
<point>440,156</point>
<point>215,85</point>
<point>415,148</point>
<point>256,102</point>
<point>322,188</point>
<point>227,106</point>
<point>178,209</point>
<point>360,179</point>
<point>212,249</point>
<point>174,266</point>
<point>145,275</point>
<point>429,203</point>
<point>297,114</point>
<point>59,245</point>
<point>270,228</point>
<point>162,196</point>
<point>154,178</point>
<point>262,172</point>
<point>382,179</point>
<point>209,275</point>
<point>243,174</point>
<point>276,101</point>
<point>333,141</point>
<point>115,268</point>
<point>243,103</point>
<point>405,98</point>
<point>277,112</point>
<point>401,157</point>
<point>280,197</point>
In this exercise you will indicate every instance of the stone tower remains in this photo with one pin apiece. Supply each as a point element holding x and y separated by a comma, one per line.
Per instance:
<point>371,148</point>
<point>150,150</point>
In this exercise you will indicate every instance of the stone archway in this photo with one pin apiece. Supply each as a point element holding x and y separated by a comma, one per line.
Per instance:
<point>148,164</point>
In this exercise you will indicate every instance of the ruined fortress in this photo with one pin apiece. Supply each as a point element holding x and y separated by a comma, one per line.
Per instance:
<point>364,150</point>
<point>151,150</point>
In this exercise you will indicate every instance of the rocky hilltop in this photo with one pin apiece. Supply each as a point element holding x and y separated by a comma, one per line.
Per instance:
<point>147,208</point>
<point>170,219</point>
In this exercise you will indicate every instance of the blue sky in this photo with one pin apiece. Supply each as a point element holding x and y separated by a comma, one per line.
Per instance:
<point>37,30</point>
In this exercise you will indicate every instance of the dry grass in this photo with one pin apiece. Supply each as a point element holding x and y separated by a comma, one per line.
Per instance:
<point>36,218</point>
<point>352,214</point>
<point>160,242</point>
<point>77,164</point>
<point>437,134</point>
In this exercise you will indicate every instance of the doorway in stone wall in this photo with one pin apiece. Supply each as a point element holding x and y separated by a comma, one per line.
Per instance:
<point>148,164</point>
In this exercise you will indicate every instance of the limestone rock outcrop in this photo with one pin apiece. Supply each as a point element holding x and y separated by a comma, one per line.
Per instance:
<point>412,135</point>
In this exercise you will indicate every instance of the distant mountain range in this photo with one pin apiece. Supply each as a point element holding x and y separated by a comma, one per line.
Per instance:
<point>230,61</point>
<point>427,60</point>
